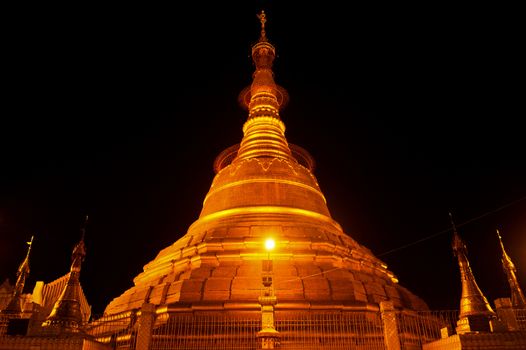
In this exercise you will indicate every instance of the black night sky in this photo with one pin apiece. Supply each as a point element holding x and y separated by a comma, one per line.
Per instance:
<point>118,112</point>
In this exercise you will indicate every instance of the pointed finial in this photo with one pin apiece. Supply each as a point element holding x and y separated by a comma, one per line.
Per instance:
<point>25,263</point>
<point>83,228</point>
<point>30,243</point>
<point>452,223</point>
<point>505,257</point>
<point>518,299</point>
<point>263,19</point>
<point>458,244</point>
<point>24,266</point>
<point>501,244</point>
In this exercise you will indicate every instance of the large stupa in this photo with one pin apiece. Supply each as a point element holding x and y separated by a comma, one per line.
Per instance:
<point>265,187</point>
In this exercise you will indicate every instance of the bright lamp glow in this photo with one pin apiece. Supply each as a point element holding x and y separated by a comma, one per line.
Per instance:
<point>269,244</point>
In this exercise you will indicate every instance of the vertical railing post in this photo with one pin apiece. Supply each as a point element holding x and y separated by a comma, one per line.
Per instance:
<point>391,335</point>
<point>505,314</point>
<point>146,322</point>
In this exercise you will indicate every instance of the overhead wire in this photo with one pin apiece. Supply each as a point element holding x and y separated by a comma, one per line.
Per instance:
<point>421,239</point>
<point>450,229</point>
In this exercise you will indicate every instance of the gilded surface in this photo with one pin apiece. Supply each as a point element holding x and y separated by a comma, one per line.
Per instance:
<point>263,191</point>
<point>14,307</point>
<point>66,315</point>
<point>517,296</point>
<point>475,311</point>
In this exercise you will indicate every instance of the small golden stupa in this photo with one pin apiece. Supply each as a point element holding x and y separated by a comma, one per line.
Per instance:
<point>264,187</point>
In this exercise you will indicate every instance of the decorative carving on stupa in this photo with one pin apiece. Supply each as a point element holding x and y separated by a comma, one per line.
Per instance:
<point>517,296</point>
<point>475,311</point>
<point>66,315</point>
<point>262,188</point>
<point>14,308</point>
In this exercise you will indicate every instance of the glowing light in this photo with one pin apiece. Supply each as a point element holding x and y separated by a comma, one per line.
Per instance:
<point>270,244</point>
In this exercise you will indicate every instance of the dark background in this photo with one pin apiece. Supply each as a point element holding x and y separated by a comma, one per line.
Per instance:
<point>410,111</point>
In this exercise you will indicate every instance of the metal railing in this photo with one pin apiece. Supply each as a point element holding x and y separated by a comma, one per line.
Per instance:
<point>185,332</point>
<point>359,330</point>
<point>4,320</point>
<point>331,331</point>
<point>119,330</point>
<point>328,331</point>
<point>416,328</point>
<point>520,316</point>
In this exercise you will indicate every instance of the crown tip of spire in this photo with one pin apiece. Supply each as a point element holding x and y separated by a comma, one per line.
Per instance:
<point>83,228</point>
<point>452,223</point>
<point>263,19</point>
<point>30,244</point>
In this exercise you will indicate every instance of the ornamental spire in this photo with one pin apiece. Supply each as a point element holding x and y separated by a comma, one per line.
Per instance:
<point>23,271</point>
<point>66,316</point>
<point>264,132</point>
<point>263,19</point>
<point>517,297</point>
<point>475,311</point>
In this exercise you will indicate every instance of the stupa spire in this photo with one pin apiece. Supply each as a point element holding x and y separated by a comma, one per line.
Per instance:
<point>264,132</point>
<point>66,316</point>
<point>475,311</point>
<point>263,19</point>
<point>23,271</point>
<point>517,296</point>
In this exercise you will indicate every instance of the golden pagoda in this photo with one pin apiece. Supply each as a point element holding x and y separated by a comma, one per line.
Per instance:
<point>475,311</point>
<point>517,296</point>
<point>263,188</point>
<point>67,314</point>
<point>478,326</point>
<point>14,307</point>
<point>57,314</point>
<point>265,266</point>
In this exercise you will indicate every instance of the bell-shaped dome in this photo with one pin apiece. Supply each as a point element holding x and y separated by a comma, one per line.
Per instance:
<point>264,187</point>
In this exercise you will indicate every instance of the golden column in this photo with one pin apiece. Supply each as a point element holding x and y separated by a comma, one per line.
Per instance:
<point>517,297</point>
<point>14,308</point>
<point>475,311</point>
<point>268,334</point>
